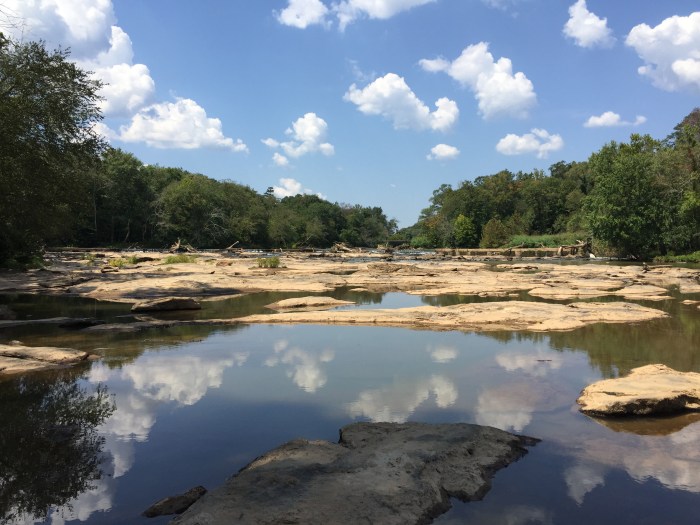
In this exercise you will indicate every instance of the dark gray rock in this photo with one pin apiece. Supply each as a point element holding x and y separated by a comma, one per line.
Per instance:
<point>386,473</point>
<point>175,504</point>
<point>166,304</point>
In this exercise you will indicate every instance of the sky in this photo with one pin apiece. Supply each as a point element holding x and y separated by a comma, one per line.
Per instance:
<point>374,102</point>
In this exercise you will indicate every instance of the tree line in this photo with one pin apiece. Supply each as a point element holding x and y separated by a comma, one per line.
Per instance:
<point>638,198</point>
<point>60,183</point>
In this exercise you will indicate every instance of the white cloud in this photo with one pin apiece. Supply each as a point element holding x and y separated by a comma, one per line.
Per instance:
<point>611,119</point>
<point>538,365</point>
<point>443,152</point>
<point>390,97</point>
<point>96,44</point>
<point>303,368</point>
<point>181,124</point>
<point>587,29</point>
<point>303,13</point>
<point>501,4</point>
<point>307,135</point>
<point>497,90</point>
<point>280,160</point>
<point>670,51</point>
<point>348,11</point>
<point>289,187</point>
<point>539,141</point>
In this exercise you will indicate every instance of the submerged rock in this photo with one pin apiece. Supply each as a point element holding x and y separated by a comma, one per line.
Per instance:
<point>175,504</point>
<point>385,473</point>
<point>166,304</point>
<point>647,390</point>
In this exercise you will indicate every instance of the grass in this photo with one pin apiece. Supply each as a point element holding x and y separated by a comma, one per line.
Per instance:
<point>688,258</point>
<point>547,241</point>
<point>180,259</point>
<point>120,262</point>
<point>268,262</point>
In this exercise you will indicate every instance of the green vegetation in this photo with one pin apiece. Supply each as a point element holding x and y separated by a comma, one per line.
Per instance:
<point>121,262</point>
<point>636,199</point>
<point>688,258</point>
<point>268,262</point>
<point>48,147</point>
<point>59,184</point>
<point>180,259</point>
<point>546,241</point>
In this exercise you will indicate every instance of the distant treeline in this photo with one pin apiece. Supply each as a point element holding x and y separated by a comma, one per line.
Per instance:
<point>132,203</point>
<point>636,199</point>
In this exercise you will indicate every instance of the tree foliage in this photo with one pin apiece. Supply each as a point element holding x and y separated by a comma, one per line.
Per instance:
<point>48,109</point>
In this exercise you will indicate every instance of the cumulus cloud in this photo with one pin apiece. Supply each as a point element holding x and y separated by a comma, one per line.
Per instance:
<point>390,97</point>
<point>348,11</point>
<point>538,365</point>
<point>181,124</point>
<point>88,28</point>
<point>443,152</point>
<point>303,13</point>
<point>670,51</point>
<point>497,89</point>
<point>289,187</point>
<point>538,141</point>
<point>611,119</point>
<point>307,135</point>
<point>586,29</point>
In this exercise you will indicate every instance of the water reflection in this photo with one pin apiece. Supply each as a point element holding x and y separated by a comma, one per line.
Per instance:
<point>508,407</point>
<point>582,479</point>
<point>303,367</point>
<point>442,353</point>
<point>50,449</point>
<point>397,402</point>
<point>537,365</point>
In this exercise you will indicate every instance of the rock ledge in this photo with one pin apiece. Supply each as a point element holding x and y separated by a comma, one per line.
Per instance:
<point>647,390</point>
<point>385,473</point>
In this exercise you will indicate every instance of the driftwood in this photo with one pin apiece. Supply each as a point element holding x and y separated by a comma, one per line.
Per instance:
<point>341,247</point>
<point>178,247</point>
<point>573,249</point>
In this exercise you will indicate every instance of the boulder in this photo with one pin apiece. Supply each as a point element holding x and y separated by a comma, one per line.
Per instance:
<point>389,473</point>
<point>647,390</point>
<point>175,504</point>
<point>164,304</point>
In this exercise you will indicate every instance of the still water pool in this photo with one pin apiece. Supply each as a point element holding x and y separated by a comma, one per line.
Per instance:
<point>192,405</point>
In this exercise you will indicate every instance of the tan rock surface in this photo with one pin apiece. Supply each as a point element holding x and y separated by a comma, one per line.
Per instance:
<point>651,389</point>
<point>206,279</point>
<point>20,359</point>
<point>506,315</point>
<point>308,303</point>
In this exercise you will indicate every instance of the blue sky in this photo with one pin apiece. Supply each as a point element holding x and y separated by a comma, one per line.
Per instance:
<point>375,102</point>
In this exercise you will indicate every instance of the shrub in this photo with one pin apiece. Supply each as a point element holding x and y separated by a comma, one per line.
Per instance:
<point>268,262</point>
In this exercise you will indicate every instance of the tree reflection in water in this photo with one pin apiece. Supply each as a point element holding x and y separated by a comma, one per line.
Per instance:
<point>50,451</point>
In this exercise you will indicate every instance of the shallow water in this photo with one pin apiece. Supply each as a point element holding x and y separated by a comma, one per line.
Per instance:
<point>195,404</point>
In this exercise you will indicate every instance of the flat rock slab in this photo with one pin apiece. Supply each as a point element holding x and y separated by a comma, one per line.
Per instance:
<point>17,359</point>
<point>308,303</point>
<point>647,390</point>
<point>506,315</point>
<point>166,304</point>
<point>385,473</point>
<point>175,504</point>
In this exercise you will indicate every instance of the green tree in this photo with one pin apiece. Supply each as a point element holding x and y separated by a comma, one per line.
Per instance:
<point>625,208</point>
<point>494,234</point>
<point>464,232</point>
<point>48,146</point>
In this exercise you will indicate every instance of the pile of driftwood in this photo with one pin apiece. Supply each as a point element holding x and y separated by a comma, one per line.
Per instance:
<point>573,249</point>
<point>178,247</point>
